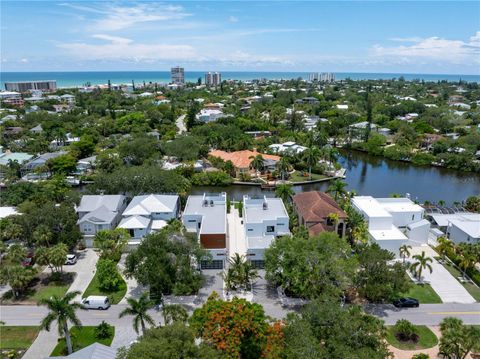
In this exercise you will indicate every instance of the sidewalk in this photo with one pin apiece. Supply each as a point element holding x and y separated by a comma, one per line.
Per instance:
<point>443,283</point>
<point>43,346</point>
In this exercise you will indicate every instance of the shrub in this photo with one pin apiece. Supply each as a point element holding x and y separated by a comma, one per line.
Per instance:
<point>405,331</point>
<point>211,179</point>
<point>421,356</point>
<point>109,279</point>
<point>103,330</point>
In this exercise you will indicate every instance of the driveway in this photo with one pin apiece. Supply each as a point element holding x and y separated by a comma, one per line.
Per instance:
<point>134,289</point>
<point>443,283</point>
<point>180,122</point>
<point>84,269</point>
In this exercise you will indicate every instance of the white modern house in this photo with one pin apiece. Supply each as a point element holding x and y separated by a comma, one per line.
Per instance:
<point>264,220</point>
<point>99,212</point>
<point>464,229</point>
<point>149,213</point>
<point>289,146</point>
<point>206,216</point>
<point>393,222</point>
<point>209,115</point>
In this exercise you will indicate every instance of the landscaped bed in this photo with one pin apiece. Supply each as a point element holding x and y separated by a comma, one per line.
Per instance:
<point>16,339</point>
<point>424,293</point>
<point>114,297</point>
<point>44,286</point>
<point>426,339</point>
<point>81,337</point>
<point>470,287</point>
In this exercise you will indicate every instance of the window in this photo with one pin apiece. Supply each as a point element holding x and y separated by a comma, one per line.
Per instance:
<point>413,217</point>
<point>270,229</point>
<point>192,220</point>
<point>250,229</point>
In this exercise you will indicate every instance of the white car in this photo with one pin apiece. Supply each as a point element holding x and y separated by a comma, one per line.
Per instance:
<point>71,259</point>
<point>100,302</point>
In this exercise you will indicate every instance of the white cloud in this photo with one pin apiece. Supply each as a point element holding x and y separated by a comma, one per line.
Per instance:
<point>24,61</point>
<point>433,49</point>
<point>233,18</point>
<point>115,18</point>
<point>113,39</point>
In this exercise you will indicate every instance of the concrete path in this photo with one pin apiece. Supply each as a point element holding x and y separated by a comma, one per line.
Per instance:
<point>180,122</point>
<point>43,346</point>
<point>237,242</point>
<point>134,289</point>
<point>84,269</point>
<point>448,288</point>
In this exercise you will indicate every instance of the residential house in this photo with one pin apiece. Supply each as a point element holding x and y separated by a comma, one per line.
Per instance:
<point>41,160</point>
<point>315,209</point>
<point>459,227</point>
<point>99,212</point>
<point>241,159</point>
<point>86,164</point>
<point>287,147</point>
<point>209,115</point>
<point>389,221</point>
<point>62,142</point>
<point>149,213</point>
<point>264,220</point>
<point>206,216</point>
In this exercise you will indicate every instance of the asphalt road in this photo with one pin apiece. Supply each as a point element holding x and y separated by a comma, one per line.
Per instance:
<point>426,314</point>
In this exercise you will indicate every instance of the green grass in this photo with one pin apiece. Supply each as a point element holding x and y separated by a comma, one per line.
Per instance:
<point>81,337</point>
<point>424,293</point>
<point>427,339</point>
<point>53,288</point>
<point>470,287</point>
<point>19,338</point>
<point>114,297</point>
<point>297,177</point>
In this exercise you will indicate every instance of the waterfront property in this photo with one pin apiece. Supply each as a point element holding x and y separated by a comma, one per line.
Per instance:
<point>242,159</point>
<point>287,147</point>
<point>24,86</point>
<point>264,220</point>
<point>99,212</point>
<point>149,213</point>
<point>206,216</point>
<point>459,227</point>
<point>318,212</point>
<point>390,219</point>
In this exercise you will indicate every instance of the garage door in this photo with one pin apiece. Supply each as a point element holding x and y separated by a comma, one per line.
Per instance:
<point>215,264</point>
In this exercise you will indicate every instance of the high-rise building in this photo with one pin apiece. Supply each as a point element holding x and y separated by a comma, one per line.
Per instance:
<point>322,77</point>
<point>213,78</point>
<point>24,86</point>
<point>178,75</point>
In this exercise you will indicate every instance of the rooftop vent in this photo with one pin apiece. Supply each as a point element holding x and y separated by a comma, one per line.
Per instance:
<point>211,203</point>
<point>205,203</point>
<point>265,206</point>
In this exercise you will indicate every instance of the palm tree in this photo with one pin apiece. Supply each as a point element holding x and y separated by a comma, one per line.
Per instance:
<point>312,156</point>
<point>422,262</point>
<point>405,251</point>
<point>357,229</point>
<point>466,262</point>
<point>138,308</point>
<point>61,310</point>
<point>441,203</point>
<point>240,273</point>
<point>282,166</point>
<point>444,247</point>
<point>257,163</point>
<point>337,187</point>
<point>284,191</point>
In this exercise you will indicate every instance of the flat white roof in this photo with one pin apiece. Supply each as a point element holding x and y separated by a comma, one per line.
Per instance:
<point>7,211</point>
<point>214,218</point>
<point>254,212</point>
<point>370,206</point>
<point>399,205</point>
<point>443,219</point>
<point>387,234</point>
<point>470,226</point>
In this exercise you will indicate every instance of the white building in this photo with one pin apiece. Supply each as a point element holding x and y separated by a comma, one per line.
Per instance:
<point>321,77</point>
<point>7,212</point>
<point>178,75</point>
<point>206,215</point>
<point>287,147</point>
<point>264,220</point>
<point>459,227</point>
<point>213,78</point>
<point>4,95</point>
<point>149,213</point>
<point>391,219</point>
<point>209,115</point>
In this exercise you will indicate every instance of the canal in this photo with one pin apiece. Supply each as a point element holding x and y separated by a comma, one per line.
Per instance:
<point>378,177</point>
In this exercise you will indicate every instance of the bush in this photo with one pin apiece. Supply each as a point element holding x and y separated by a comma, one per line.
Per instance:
<point>103,330</point>
<point>240,209</point>
<point>421,356</point>
<point>405,331</point>
<point>109,279</point>
<point>211,179</point>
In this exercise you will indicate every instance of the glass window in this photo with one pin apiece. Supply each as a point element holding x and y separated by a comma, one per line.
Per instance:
<point>270,229</point>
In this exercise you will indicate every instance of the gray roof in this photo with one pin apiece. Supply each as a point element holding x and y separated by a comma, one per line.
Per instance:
<point>134,222</point>
<point>89,203</point>
<point>99,215</point>
<point>152,203</point>
<point>254,212</point>
<point>214,218</point>
<point>43,158</point>
<point>419,224</point>
<point>93,351</point>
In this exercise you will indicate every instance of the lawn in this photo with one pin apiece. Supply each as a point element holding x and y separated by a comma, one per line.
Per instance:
<point>81,337</point>
<point>114,297</point>
<point>427,339</point>
<point>19,338</point>
<point>53,288</point>
<point>297,177</point>
<point>470,287</point>
<point>424,293</point>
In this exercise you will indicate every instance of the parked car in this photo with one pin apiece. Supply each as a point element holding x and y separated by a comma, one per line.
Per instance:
<point>71,259</point>
<point>406,303</point>
<point>100,302</point>
<point>29,260</point>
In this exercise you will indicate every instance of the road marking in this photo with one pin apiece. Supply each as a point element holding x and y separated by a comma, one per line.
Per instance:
<point>100,315</point>
<point>454,313</point>
<point>35,315</point>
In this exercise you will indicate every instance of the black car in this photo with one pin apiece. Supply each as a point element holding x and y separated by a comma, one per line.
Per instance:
<point>406,303</point>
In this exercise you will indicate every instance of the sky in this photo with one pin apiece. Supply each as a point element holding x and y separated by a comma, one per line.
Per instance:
<point>438,37</point>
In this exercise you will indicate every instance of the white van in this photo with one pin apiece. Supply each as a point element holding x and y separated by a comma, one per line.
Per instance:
<point>96,302</point>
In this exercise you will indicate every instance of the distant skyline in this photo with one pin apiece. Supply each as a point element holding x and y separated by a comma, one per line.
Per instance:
<point>436,37</point>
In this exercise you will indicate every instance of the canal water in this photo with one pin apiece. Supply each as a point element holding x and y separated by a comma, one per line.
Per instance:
<point>370,175</point>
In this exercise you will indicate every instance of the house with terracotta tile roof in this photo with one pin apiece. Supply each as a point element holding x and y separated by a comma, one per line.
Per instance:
<point>241,159</point>
<point>314,210</point>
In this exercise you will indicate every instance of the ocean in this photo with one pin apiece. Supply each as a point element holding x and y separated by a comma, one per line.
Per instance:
<point>76,79</point>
